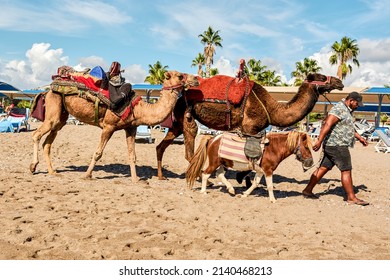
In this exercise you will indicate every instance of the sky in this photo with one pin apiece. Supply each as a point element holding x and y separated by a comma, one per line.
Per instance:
<point>38,36</point>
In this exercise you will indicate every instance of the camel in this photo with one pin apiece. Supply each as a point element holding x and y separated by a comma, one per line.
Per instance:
<point>58,110</point>
<point>250,117</point>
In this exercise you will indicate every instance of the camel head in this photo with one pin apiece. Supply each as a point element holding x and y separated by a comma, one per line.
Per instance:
<point>178,81</point>
<point>324,83</point>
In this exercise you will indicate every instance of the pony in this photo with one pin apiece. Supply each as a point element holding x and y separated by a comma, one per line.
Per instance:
<point>279,147</point>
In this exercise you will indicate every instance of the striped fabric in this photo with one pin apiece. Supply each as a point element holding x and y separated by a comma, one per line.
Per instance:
<point>232,147</point>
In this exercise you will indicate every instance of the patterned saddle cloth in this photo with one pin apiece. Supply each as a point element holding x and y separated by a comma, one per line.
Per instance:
<point>240,149</point>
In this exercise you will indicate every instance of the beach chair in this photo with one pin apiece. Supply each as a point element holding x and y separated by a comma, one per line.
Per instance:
<point>383,144</point>
<point>6,126</point>
<point>144,133</point>
<point>315,133</point>
<point>19,119</point>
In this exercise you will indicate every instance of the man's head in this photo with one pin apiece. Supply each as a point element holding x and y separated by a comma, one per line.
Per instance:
<point>354,100</point>
<point>357,97</point>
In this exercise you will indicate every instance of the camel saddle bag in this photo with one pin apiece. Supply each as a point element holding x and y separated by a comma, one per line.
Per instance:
<point>38,107</point>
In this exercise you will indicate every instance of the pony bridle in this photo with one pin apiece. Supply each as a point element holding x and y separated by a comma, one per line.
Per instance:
<point>181,85</point>
<point>298,154</point>
<point>297,150</point>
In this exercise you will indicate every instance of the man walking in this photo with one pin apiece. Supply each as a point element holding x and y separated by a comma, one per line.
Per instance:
<point>337,135</point>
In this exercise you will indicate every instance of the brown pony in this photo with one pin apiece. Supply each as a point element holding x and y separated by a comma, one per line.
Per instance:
<point>279,147</point>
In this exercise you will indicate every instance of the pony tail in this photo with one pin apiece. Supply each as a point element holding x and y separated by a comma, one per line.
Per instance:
<point>197,162</point>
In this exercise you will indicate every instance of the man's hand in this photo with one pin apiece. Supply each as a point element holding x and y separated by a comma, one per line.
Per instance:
<point>363,141</point>
<point>317,146</point>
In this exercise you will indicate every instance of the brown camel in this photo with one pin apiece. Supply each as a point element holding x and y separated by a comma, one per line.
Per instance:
<point>57,112</point>
<point>259,111</point>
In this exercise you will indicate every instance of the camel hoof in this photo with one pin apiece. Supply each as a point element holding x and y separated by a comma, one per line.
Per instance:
<point>162,178</point>
<point>273,200</point>
<point>244,195</point>
<point>33,167</point>
<point>232,192</point>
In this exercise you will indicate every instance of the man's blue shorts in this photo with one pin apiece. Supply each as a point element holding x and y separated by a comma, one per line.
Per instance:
<point>337,155</point>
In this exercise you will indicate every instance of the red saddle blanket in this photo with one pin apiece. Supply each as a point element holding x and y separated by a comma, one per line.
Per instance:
<point>220,88</point>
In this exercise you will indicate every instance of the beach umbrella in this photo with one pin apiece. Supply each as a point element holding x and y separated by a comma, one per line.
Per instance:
<point>8,90</point>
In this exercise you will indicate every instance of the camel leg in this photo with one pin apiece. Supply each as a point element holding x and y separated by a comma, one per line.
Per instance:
<point>270,188</point>
<point>160,149</point>
<point>37,136</point>
<point>130,139</point>
<point>221,175</point>
<point>255,183</point>
<point>47,126</point>
<point>107,132</point>
<point>47,150</point>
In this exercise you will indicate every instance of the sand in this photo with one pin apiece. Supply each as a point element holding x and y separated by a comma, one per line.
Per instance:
<point>63,216</point>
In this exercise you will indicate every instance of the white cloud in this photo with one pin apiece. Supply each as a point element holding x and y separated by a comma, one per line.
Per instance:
<point>374,50</point>
<point>67,17</point>
<point>374,61</point>
<point>90,62</point>
<point>225,67</point>
<point>41,62</point>
<point>95,10</point>
<point>134,74</point>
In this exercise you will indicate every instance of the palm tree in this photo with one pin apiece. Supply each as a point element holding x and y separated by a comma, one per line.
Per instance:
<point>270,79</point>
<point>344,51</point>
<point>156,73</point>
<point>213,72</point>
<point>255,70</point>
<point>199,61</point>
<point>211,40</point>
<point>303,69</point>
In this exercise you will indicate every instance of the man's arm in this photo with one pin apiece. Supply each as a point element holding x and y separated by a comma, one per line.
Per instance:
<point>361,139</point>
<point>330,121</point>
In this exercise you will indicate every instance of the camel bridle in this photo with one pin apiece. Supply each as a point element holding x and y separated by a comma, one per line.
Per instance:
<point>320,83</point>
<point>182,84</point>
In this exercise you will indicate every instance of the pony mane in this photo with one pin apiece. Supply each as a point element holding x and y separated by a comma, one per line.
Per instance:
<point>292,138</point>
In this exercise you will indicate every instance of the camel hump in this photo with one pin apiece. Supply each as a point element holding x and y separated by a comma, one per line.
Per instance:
<point>221,88</point>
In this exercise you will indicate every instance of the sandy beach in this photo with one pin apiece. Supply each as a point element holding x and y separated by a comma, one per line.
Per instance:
<point>63,216</point>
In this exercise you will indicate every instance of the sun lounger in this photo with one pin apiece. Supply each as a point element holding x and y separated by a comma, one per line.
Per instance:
<point>6,126</point>
<point>315,133</point>
<point>19,119</point>
<point>143,132</point>
<point>383,144</point>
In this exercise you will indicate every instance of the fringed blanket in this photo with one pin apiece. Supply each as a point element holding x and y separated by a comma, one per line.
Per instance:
<point>67,87</point>
<point>232,147</point>
<point>89,85</point>
<point>220,88</point>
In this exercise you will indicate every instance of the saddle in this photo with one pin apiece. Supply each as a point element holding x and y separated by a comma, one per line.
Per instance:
<point>253,146</point>
<point>96,85</point>
<point>119,90</point>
